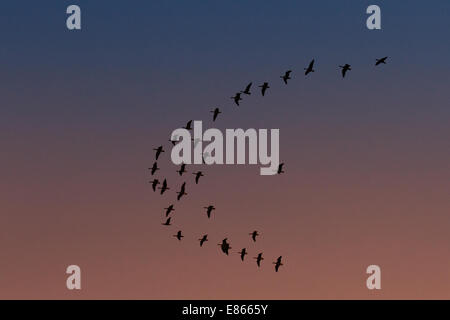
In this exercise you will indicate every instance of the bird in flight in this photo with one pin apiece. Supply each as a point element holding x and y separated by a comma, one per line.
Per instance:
<point>237,98</point>
<point>167,223</point>
<point>188,125</point>
<point>243,252</point>
<point>277,264</point>
<point>264,87</point>
<point>209,209</point>
<point>178,235</point>
<point>181,193</point>
<point>310,68</point>
<point>280,168</point>
<point>346,67</point>
<point>382,60</point>
<point>197,176</point>
<point>247,89</point>
<point>182,169</point>
<point>254,234</point>
<point>158,151</point>
<point>286,76</point>
<point>164,186</point>
<point>154,183</point>
<point>259,258</point>
<point>154,168</point>
<point>169,209</point>
<point>224,246</point>
<point>216,112</point>
<point>203,239</point>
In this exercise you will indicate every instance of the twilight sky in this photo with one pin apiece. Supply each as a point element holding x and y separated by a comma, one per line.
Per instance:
<point>367,175</point>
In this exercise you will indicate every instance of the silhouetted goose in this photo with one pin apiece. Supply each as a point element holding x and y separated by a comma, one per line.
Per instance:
<point>225,246</point>
<point>203,239</point>
<point>182,169</point>
<point>208,210</point>
<point>254,234</point>
<point>216,112</point>
<point>247,89</point>
<point>197,176</point>
<point>167,223</point>
<point>286,76</point>
<point>346,67</point>
<point>243,252</point>
<point>264,87</point>
<point>226,249</point>
<point>259,258</point>
<point>158,151</point>
<point>310,68</point>
<point>154,183</point>
<point>382,60</point>
<point>188,125</point>
<point>154,168</point>
<point>169,209</point>
<point>164,186</point>
<point>182,193</point>
<point>277,264</point>
<point>178,235</point>
<point>237,98</point>
<point>280,168</point>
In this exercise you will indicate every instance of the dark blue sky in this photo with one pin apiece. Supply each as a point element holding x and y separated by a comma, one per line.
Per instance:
<point>199,35</point>
<point>144,51</point>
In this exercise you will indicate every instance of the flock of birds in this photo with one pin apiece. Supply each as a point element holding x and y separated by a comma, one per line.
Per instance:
<point>287,76</point>
<point>225,245</point>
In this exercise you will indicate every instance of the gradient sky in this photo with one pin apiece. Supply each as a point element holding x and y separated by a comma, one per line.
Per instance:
<point>366,157</point>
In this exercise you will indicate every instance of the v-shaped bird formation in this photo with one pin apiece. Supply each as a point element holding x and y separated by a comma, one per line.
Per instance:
<point>225,245</point>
